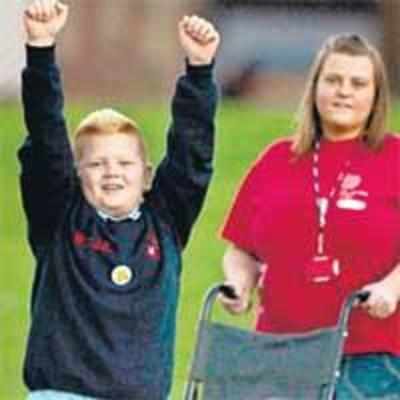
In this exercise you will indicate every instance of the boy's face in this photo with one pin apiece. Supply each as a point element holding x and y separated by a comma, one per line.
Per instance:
<point>112,172</point>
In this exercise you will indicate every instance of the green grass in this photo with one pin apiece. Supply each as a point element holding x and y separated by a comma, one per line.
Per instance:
<point>243,131</point>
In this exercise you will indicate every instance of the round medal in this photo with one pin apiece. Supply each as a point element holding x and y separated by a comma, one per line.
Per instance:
<point>121,275</point>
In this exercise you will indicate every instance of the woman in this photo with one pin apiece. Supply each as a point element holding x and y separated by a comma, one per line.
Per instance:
<point>319,212</point>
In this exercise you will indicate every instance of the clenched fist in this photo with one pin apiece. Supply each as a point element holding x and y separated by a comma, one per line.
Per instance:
<point>199,39</point>
<point>43,20</point>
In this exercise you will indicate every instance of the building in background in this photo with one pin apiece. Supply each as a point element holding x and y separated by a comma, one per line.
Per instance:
<point>268,45</point>
<point>110,50</point>
<point>124,50</point>
<point>127,50</point>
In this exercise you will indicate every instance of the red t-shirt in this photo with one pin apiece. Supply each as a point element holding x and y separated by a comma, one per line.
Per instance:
<point>274,217</point>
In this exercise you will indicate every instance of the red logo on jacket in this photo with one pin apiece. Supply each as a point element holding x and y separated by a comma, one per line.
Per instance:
<point>99,245</point>
<point>153,247</point>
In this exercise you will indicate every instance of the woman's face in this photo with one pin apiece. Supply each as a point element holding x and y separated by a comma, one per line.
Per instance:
<point>344,95</point>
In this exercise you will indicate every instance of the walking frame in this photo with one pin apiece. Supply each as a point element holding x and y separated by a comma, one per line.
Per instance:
<point>235,364</point>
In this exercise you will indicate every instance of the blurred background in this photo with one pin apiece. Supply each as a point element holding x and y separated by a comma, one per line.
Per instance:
<point>125,54</point>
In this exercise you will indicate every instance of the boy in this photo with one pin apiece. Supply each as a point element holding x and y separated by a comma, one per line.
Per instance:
<point>107,237</point>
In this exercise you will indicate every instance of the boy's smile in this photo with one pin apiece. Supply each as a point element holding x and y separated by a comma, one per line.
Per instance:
<point>112,172</point>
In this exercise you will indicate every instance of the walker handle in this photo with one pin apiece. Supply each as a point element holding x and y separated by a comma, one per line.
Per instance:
<point>228,291</point>
<point>363,296</point>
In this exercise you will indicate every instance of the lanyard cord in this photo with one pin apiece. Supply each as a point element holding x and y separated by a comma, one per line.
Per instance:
<point>322,203</point>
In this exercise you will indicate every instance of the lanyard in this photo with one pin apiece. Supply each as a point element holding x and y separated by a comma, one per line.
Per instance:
<point>322,203</point>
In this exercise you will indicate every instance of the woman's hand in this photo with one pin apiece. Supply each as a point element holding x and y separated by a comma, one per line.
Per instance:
<point>382,301</point>
<point>241,303</point>
<point>242,272</point>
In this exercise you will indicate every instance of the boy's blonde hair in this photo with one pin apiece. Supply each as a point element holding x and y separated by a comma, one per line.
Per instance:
<point>107,122</point>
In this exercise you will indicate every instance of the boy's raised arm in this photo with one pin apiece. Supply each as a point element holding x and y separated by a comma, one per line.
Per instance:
<point>46,156</point>
<point>184,174</point>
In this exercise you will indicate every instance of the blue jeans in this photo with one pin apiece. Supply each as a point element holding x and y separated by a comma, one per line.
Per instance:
<point>56,395</point>
<point>372,376</point>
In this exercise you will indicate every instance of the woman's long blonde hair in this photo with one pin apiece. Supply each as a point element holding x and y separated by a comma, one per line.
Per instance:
<point>308,122</point>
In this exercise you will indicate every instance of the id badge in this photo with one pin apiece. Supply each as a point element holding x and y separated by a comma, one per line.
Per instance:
<point>322,269</point>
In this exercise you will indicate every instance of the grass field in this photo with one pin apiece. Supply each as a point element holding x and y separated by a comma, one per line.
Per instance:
<point>242,132</point>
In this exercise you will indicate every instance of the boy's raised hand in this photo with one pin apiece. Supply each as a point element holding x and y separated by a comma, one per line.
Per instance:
<point>199,39</point>
<point>43,19</point>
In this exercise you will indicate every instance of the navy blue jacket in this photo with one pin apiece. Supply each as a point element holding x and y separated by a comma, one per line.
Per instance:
<point>89,336</point>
